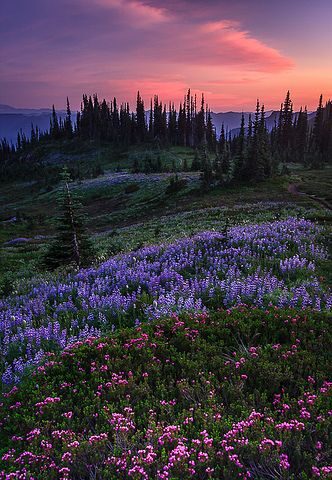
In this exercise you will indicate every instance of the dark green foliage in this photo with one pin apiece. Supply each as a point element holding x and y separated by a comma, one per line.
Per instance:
<point>140,119</point>
<point>196,163</point>
<point>206,167</point>
<point>176,184</point>
<point>321,136</point>
<point>258,165</point>
<point>210,133</point>
<point>253,154</point>
<point>131,188</point>
<point>300,137</point>
<point>71,244</point>
<point>240,152</point>
<point>285,130</point>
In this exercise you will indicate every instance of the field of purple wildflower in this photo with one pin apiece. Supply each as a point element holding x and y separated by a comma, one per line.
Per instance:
<point>262,264</point>
<point>208,357</point>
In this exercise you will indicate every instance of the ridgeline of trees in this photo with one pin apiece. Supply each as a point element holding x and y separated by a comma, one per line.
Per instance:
<point>252,154</point>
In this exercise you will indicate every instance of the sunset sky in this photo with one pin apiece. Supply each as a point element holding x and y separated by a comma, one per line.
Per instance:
<point>233,51</point>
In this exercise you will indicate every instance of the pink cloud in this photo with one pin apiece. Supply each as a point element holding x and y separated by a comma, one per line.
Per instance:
<point>143,15</point>
<point>170,37</point>
<point>115,47</point>
<point>248,47</point>
<point>224,43</point>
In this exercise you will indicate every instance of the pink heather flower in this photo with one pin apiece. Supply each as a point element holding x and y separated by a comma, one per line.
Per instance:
<point>34,433</point>
<point>145,374</point>
<point>65,473</point>
<point>97,438</point>
<point>284,463</point>
<point>326,470</point>
<point>9,455</point>
<point>291,425</point>
<point>67,414</point>
<point>203,457</point>
<point>46,445</point>
<point>319,445</point>
<point>74,444</point>
<point>315,471</point>
<point>66,457</point>
<point>244,377</point>
<point>266,443</point>
<point>304,413</point>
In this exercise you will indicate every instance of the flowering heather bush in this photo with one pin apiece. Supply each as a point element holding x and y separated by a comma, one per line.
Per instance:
<point>272,263</point>
<point>239,393</point>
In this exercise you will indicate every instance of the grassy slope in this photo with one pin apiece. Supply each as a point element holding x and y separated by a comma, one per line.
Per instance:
<point>122,220</point>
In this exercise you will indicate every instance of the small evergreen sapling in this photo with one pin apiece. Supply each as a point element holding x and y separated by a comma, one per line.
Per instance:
<point>71,244</point>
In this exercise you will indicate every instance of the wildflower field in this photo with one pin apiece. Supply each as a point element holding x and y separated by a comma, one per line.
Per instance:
<point>262,264</point>
<point>239,393</point>
<point>204,358</point>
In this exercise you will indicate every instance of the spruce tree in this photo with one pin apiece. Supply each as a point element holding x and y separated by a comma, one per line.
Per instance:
<point>285,130</point>
<point>71,245</point>
<point>240,158</point>
<point>258,165</point>
<point>54,124</point>
<point>200,131</point>
<point>172,125</point>
<point>181,128</point>
<point>210,133</point>
<point>151,134</point>
<point>68,124</point>
<point>300,136</point>
<point>140,119</point>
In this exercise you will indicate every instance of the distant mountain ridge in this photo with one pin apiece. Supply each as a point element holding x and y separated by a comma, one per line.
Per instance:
<point>14,120</point>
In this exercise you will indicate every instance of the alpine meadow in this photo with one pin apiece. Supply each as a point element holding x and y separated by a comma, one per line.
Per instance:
<point>165,243</point>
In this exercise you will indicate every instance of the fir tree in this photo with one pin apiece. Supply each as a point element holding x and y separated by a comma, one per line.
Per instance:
<point>200,132</point>
<point>285,130</point>
<point>210,133</point>
<point>240,158</point>
<point>151,133</point>
<point>172,125</point>
<point>140,119</point>
<point>300,136</point>
<point>68,125</point>
<point>71,244</point>
<point>54,125</point>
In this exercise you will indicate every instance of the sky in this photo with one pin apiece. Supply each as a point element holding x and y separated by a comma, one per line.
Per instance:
<point>232,51</point>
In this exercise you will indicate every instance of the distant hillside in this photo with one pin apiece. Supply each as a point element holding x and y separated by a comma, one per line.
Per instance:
<point>13,120</point>
<point>271,120</point>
